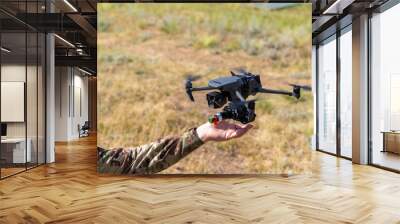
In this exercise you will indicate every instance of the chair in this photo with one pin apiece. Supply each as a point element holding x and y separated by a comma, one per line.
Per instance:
<point>84,130</point>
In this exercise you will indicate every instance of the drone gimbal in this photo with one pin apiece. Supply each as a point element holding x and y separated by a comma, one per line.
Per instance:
<point>235,89</point>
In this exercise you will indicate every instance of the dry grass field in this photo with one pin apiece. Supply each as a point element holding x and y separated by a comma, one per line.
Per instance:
<point>146,50</point>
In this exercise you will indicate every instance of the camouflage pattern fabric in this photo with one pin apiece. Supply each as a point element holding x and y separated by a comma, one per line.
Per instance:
<point>150,158</point>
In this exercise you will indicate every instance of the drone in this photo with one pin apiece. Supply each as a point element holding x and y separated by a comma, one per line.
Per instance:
<point>235,89</point>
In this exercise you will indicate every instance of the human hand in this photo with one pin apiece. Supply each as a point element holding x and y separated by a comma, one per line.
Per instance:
<point>222,131</point>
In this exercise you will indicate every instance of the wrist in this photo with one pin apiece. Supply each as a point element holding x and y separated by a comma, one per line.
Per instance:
<point>202,133</point>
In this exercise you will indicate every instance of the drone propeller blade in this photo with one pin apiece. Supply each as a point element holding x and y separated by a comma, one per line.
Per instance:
<point>192,77</point>
<point>188,87</point>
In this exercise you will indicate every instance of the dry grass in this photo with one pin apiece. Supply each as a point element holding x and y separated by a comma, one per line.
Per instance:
<point>145,51</point>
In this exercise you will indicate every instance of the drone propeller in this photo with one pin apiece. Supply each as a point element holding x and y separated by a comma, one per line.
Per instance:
<point>188,84</point>
<point>296,92</point>
<point>189,87</point>
<point>192,77</point>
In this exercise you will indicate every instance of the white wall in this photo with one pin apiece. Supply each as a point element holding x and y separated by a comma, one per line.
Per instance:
<point>80,89</point>
<point>71,87</point>
<point>12,73</point>
<point>62,81</point>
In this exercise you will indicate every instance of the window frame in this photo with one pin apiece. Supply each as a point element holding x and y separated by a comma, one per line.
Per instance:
<point>381,9</point>
<point>337,35</point>
<point>27,29</point>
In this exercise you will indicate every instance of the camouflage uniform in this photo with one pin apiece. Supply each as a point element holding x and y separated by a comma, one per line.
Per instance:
<point>150,158</point>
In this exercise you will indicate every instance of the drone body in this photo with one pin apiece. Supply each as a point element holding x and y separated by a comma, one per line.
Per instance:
<point>235,89</point>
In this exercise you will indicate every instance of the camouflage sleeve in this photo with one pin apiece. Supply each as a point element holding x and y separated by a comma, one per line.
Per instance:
<point>150,158</point>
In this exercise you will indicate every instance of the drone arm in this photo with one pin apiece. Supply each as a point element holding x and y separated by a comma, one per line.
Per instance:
<point>202,88</point>
<point>272,91</point>
<point>190,89</point>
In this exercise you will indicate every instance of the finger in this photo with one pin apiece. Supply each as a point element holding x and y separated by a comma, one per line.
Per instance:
<point>244,126</point>
<point>238,133</point>
<point>241,131</point>
<point>238,126</point>
<point>247,126</point>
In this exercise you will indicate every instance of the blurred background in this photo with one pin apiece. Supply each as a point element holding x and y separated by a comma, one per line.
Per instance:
<point>145,52</point>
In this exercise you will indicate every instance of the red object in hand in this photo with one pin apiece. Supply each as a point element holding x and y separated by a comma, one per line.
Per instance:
<point>213,119</point>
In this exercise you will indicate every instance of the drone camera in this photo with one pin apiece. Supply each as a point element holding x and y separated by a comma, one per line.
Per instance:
<point>241,112</point>
<point>216,99</point>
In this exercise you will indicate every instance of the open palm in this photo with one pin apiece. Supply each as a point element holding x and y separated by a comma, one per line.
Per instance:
<point>222,131</point>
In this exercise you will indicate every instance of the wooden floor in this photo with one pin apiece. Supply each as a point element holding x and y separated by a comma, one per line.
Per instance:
<point>11,170</point>
<point>70,191</point>
<point>387,159</point>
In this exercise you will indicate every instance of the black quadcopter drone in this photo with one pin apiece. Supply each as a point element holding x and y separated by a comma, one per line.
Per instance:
<point>236,89</point>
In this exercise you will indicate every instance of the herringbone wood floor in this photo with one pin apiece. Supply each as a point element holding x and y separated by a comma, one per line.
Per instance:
<point>70,191</point>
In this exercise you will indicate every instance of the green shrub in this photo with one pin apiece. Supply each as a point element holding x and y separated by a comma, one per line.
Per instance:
<point>104,26</point>
<point>144,36</point>
<point>170,25</point>
<point>207,41</point>
<point>255,25</point>
<point>252,46</point>
<point>232,45</point>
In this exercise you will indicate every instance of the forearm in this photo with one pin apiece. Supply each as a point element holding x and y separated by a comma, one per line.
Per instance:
<point>150,158</point>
